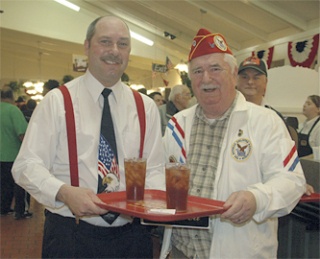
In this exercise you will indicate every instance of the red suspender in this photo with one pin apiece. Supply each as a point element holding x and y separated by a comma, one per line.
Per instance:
<point>72,138</point>
<point>142,119</point>
<point>71,131</point>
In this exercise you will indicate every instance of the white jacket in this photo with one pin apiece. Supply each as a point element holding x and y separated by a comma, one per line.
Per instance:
<point>269,167</point>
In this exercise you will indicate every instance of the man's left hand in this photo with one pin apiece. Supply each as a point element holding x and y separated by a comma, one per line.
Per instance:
<point>240,206</point>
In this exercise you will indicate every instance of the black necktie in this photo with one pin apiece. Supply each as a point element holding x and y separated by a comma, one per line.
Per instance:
<point>107,131</point>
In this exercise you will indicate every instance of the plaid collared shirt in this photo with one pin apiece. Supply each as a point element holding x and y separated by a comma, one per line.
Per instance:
<point>205,144</point>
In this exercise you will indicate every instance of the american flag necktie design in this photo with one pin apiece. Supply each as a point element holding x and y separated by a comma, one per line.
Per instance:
<point>108,169</point>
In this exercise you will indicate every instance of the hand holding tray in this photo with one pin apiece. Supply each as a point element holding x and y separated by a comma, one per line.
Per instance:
<point>156,200</point>
<point>314,197</point>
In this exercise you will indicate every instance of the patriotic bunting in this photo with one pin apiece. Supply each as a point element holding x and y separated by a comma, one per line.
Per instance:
<point>267,55</point>
<point>303,53</point>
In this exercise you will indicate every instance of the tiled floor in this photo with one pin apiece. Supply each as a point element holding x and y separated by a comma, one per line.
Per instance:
<point>23,238</point>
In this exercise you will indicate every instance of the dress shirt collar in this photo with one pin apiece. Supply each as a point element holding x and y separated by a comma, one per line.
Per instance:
<point>95,87</point>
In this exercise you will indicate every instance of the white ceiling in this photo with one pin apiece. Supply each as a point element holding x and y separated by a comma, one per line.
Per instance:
<point>244,23</point>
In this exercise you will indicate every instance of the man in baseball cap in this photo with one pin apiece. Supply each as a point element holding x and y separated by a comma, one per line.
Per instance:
<point>253,79</point>
<point>234,152</point>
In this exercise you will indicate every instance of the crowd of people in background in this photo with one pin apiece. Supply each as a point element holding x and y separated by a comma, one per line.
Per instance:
<point>12,130</point>
<point>15,116</point>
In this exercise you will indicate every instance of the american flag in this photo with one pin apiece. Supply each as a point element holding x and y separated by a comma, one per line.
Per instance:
<point>107,161</point>
<point>169,63</point>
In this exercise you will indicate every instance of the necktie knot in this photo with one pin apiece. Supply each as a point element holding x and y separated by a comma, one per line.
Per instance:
<point>106,92</point>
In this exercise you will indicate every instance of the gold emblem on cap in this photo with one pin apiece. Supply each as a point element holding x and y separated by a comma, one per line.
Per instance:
<point>220,43</point>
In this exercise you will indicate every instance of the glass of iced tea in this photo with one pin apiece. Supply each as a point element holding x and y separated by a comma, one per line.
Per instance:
<point>135,170</point>
<point>177,185</point>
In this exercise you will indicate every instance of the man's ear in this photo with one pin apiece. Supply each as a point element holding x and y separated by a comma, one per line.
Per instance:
<point>265,88</point>
<point>86,46</point>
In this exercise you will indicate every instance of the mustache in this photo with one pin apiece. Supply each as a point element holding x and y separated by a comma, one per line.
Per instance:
<point>111,58</point>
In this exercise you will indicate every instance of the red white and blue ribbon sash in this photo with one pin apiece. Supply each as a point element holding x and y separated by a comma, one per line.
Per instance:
<point>179,137</point>
<point>291,160</point>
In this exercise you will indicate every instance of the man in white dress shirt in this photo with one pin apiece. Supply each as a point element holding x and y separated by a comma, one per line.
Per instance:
<point>42,166</point>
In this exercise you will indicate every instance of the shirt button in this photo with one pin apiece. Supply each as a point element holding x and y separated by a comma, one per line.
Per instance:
<point>204,168</point>
<point>198,190</point>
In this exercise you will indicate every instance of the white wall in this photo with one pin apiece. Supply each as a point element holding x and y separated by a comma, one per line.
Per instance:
<point>288,88</point>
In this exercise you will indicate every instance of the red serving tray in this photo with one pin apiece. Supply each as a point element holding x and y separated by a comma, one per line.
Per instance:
<point>156,199</point>
<point>314,197</point>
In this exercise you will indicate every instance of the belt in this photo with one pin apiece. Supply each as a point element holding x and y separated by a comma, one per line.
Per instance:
<point>88,229</point>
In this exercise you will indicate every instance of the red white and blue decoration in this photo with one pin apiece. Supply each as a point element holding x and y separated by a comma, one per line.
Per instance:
<point>108,170</point>
<point>303,53</point>
<point>266,55</point>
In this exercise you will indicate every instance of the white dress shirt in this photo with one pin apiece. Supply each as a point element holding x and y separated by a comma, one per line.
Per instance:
<point>42,165</point>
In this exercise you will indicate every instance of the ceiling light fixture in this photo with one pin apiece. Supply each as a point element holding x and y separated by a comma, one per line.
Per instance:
<point>182,67</point>
<point>169,35</point>
<point>141,38</point>
<point>69,5</point>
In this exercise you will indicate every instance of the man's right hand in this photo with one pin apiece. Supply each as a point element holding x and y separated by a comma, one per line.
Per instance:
<point>81,201</point>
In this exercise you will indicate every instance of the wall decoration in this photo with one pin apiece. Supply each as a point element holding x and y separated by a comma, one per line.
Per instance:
<point>169,63</point>
<point>80,63</point>
<point>267,55</point>
<point>303,53</point>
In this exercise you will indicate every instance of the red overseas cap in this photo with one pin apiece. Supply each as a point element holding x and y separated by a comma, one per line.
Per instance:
<point>206,42</point>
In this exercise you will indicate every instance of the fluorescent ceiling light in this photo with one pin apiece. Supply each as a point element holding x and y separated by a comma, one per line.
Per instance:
<point>182,67</point>
<point>68,4</point>
<point>141,38</point>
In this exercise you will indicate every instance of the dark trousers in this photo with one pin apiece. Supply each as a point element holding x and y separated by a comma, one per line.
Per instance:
<point>22,199</point>
<point>63,238</point>
<point>7,186</point>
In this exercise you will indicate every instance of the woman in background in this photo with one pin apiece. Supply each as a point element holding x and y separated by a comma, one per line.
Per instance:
<point>309,130</point>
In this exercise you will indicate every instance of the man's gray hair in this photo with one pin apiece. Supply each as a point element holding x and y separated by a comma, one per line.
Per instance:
<point>177,89</point>
<point>230,59</point>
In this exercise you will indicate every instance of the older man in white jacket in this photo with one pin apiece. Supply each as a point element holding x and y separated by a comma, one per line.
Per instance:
<point>239,153</point>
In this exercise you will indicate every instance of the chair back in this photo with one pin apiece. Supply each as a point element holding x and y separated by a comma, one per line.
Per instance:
<point>292,121</point>
<point>294,135</point>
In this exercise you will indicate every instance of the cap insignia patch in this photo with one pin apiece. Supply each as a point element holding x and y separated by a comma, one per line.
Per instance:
<point>220,43</point>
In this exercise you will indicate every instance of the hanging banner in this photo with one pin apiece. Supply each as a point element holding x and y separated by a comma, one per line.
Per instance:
<point>266,55</point>
<point>303,53</point>
<point>159,68</point>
